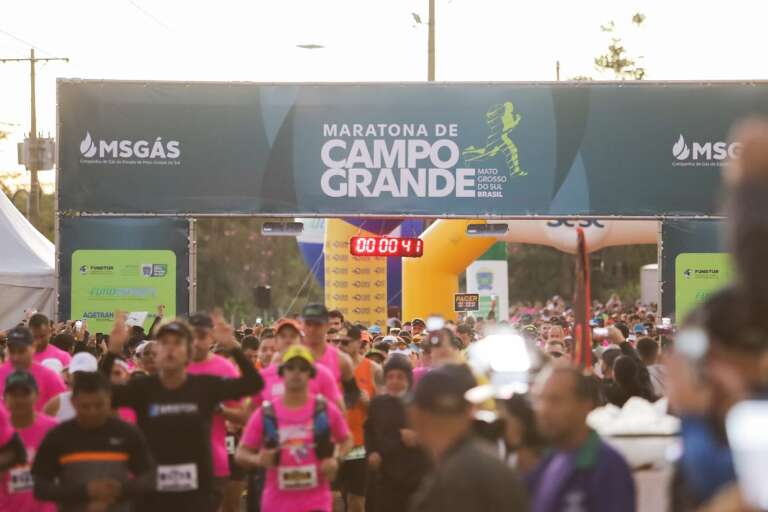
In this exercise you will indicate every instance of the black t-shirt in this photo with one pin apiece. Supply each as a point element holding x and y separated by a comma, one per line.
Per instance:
<point>177,422</point>
<point>71,456</point>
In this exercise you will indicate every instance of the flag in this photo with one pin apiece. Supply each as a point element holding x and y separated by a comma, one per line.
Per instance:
<point>582,336</point>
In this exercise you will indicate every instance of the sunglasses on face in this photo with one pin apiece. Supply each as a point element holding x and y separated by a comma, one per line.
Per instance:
<point>298,367</point>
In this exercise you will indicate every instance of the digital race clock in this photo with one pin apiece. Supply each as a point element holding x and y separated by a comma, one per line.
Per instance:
<point>386,246</point>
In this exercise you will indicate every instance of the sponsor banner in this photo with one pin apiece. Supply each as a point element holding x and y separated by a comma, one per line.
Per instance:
<point>131,264</point>
<point>397,149</point>
<point>693,264</point>
<point>698,275</point>
<point>106,281</point>
<point>355,285</point>
<point>463,302</point>
<point>490,279</point>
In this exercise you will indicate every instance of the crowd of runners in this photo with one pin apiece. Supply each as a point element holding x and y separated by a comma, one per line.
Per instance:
<point>317,412</point>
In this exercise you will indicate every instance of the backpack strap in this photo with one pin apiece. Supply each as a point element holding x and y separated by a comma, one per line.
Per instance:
<point>271,434</point>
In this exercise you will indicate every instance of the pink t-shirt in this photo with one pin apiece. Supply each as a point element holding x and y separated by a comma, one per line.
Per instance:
<point>16,485</point>
<point>49,383</point>
<point>330,360</point>
<point>221,367</point>
<point>322,384</point>
<point>303,486</point>
<point>52,352</point>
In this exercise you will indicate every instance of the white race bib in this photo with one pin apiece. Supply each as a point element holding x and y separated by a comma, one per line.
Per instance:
<point>297,478</point>
<point>230,442</point>
<point>20,480</point>
<point>177,478</point>
<point>356,453</point>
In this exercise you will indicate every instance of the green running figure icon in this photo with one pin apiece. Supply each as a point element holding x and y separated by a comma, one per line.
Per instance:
<point>501,119</point>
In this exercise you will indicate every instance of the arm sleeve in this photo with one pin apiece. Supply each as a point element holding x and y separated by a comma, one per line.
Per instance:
<point>45,471</point>
<point>351,392</point>
<point>252,433</point>
<point>141,465</point>
<point>369,429</point>
<point>12,453</point>
<point>249,382</point>
<point>123,395</point>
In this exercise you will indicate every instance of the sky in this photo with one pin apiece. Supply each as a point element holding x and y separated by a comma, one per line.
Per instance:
<point>364,40</point>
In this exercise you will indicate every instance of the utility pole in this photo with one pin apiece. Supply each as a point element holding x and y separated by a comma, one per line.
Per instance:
<point>34,187</point>
<point>431,43</point>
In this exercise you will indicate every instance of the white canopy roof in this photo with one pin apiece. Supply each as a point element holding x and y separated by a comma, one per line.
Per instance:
<point>27,266</point>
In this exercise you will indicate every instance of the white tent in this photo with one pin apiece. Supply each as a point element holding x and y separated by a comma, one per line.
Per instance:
<point>27,267</point>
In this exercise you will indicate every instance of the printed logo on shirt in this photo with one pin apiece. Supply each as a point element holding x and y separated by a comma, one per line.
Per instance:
<point>293,439</point>
<point>171,409</point>
<point>115,441</point>
<point>20,480</point>
<point>575,501</point>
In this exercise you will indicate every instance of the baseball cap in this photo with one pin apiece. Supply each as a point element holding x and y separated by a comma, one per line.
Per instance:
<point>442,390</point>
<point>83,362</point>
<point>374,329</point>
<point>315,313</point>
<point>20,380</point>
<point>418,321</point>
<point>639,328</point>
<point>20,336</point>
<point>291,322</point>
<point>175,327</point>
<point>201,321</point>
<point>298,352</point>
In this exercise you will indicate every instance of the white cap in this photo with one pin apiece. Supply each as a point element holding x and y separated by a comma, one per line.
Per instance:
<point>83,362</point>
<point>53,364</point>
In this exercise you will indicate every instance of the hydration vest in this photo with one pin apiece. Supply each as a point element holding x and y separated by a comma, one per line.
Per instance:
<point>321,429</point>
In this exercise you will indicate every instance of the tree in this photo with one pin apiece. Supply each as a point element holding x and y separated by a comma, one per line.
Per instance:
<point>616,59</point>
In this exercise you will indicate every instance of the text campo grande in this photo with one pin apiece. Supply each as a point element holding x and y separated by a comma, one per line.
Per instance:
<point>396,160</point>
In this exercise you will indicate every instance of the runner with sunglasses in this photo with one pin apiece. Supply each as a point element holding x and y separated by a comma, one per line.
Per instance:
<point>296,438</point>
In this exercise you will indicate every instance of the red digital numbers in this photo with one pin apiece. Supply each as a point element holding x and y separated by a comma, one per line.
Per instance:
<point>386,246</point>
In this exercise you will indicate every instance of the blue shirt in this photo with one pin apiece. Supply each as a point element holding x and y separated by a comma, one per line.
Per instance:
<point>592,478</point>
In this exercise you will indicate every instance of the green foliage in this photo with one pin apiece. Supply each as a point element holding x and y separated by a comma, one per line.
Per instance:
<point>617,59</point>
<point>233,258</point>
<point>537,272</point>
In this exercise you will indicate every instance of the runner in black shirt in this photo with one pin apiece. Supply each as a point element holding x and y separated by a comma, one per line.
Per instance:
<point>174,412</point>
<point>93,462</point>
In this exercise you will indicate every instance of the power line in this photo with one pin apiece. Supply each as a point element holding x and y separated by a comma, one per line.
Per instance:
<point>149,14</point>
<point>24,42</point>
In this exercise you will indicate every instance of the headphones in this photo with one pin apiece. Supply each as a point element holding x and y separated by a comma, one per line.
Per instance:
<point>312,371</point>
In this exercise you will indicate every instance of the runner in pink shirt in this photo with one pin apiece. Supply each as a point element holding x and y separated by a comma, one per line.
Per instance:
<point>289,333</point>
<point>16,486</point>
<point>206,363</point>
<point>294,439</point>
<point>316,318</point>
<point>20,351</point>
<point>41,335</point>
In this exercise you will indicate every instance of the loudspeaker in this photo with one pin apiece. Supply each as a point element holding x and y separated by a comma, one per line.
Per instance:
<point>262,296</point>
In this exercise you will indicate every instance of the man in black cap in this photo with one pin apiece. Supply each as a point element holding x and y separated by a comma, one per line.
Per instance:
<point>467,474</point>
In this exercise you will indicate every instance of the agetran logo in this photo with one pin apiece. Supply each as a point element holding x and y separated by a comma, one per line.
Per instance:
<point>130,152</point>
<point>703,154</point>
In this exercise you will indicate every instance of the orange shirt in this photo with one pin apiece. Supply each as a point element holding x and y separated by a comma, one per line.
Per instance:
<point>357,414</point>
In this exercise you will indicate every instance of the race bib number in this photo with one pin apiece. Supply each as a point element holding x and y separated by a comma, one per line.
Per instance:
<point>230,441</point>
<point>356,453</point>
<point>297,478</point>
<point>177,478</point>
<point>20,480</point>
